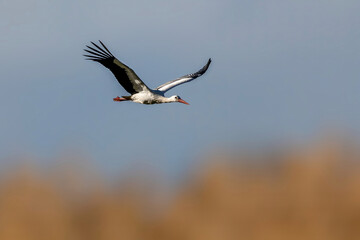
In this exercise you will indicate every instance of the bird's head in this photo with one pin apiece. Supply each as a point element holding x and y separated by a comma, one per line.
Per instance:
<point>177,98</point>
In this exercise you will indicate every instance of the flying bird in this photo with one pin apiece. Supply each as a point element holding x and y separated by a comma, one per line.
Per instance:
<point>140,93</point>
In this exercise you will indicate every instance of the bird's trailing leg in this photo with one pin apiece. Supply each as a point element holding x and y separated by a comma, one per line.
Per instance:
<point>119,99</point>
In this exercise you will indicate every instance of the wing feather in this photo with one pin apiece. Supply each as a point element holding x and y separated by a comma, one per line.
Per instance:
<point>187,78</point>
<point>125,75</point>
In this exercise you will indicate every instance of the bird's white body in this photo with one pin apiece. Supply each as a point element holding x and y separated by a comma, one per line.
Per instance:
<point>149,97</point>
<point>127,78</point>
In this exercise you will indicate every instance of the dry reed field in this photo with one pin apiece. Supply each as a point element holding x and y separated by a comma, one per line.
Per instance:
<point>308,193</point>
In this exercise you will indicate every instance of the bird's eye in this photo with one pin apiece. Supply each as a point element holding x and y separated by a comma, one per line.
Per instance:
<point>176,97</point>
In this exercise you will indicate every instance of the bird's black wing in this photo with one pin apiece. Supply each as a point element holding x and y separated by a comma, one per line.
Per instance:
<point>125,75</point>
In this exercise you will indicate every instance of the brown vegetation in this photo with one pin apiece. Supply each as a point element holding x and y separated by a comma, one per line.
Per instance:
<point>309,194</point>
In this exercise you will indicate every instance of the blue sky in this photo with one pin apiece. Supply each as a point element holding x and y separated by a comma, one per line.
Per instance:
<point>282,70</point>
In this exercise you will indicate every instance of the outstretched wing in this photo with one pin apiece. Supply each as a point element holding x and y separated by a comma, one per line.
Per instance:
<point>187,78</point>
<point>125,75</point>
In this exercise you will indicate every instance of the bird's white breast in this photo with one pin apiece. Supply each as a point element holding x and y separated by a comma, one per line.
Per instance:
<point>147,97</point>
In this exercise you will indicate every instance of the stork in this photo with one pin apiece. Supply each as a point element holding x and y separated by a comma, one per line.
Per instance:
<point>140,93</point>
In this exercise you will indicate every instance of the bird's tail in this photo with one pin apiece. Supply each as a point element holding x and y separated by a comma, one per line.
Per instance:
<point>126,97</point>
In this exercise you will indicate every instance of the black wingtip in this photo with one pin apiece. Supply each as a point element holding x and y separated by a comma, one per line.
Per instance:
<point>204,69</point>
<point>105,48</point>
<point>102,50</point>
<point>207,65</point>
<point>88,57</point>
<point>98,53</point>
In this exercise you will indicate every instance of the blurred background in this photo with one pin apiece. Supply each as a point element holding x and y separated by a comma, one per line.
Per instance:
<point>268,148</point>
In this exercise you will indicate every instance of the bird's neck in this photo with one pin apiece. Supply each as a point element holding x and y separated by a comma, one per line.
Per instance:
<point>169,100</point>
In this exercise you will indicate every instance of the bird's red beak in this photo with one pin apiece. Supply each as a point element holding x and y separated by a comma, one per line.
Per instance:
<point>182,101</point>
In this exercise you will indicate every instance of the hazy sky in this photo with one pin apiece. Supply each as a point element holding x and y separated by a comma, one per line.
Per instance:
<point>281,70</point>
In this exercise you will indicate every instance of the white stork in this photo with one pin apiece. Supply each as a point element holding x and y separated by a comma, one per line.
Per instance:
<point>127,78</point>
